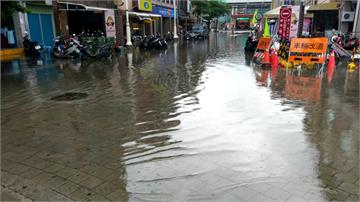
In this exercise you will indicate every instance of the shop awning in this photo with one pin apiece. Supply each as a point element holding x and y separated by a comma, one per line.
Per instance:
<point>324,7</point>
<point>274,13</point>
<point>68,6</point>
<point>144,16</point>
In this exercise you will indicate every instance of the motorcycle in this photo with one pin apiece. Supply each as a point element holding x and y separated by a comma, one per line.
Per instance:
<point>68,49</point>
<point>190,36</point>
<point>104,51</point>
<point>169,36</point>
<point>150,42</point>
<point>352,43</point>
<point>31,48</point>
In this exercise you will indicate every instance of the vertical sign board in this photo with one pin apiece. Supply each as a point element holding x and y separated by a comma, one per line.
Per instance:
<point>110,23</point>
<point>306,26</point>
<point>284,22</point>
<point>295,17</point>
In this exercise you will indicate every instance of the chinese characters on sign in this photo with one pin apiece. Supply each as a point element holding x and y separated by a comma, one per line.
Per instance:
<point>308,50</point>
<point>264,43</point>
<point>284,22</point>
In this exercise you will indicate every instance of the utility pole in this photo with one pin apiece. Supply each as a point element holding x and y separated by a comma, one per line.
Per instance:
<point>128,31</point>
<point>175,18</point>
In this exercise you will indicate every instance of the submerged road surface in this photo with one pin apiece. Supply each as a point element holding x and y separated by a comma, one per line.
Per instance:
<point>195,122</point>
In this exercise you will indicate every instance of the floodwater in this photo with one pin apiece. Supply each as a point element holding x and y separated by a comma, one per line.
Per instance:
<point>195,122</point>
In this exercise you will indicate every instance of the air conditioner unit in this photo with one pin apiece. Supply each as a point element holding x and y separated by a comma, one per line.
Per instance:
<point>348,16</point>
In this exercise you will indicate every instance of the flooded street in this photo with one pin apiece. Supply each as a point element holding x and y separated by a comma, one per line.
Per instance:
<point>195,122</point>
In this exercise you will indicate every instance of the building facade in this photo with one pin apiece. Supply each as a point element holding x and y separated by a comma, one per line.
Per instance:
<point>243,10</point>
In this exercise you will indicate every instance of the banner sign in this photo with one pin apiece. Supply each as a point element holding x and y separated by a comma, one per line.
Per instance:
<point>165,12</point>
<point>145,5</point>
<point>308,50</point>
<point>295,17</point>
<point>284,22</point>
<point>303,88</point>
<point>306,27</point>
<point>110,23</point>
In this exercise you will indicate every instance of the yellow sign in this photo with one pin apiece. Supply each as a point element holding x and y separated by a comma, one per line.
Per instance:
<point>145,5</point>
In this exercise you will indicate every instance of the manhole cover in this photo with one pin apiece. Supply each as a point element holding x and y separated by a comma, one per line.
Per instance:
<point>69,97</point>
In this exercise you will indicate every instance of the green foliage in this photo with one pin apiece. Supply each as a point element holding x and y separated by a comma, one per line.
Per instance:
<point>8,8</point>
<point>209,8</point>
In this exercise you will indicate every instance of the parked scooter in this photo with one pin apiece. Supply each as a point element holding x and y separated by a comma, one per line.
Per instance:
<point>190,36</point>
<point>104,51</point>
<point>152,42</point>
<point>352,43</point>
<point>31,48</point>
<point>169,36</point>
<point>68,49</point>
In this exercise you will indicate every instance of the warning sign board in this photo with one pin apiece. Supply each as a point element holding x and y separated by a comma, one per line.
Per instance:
<point>263,44</point>
<point>308,50</point>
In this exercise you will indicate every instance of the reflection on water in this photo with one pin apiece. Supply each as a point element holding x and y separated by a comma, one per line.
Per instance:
<point>193,122</point>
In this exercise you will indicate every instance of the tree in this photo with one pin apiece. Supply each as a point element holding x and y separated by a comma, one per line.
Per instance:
<point>8,8</point>
<point>209,9</point>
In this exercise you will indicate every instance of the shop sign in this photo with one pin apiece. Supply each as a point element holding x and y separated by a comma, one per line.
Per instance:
<point>308,50</point>
<point>284,22</point>
<point>110,23</point>
<point>295,17</point>
<point>145,5</point>
<point>165,12</point>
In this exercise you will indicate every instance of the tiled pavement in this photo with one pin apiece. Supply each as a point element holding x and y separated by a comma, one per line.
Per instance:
<point>41,177</point>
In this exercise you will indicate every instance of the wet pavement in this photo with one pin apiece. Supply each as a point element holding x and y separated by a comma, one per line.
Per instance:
<point>197,122</point>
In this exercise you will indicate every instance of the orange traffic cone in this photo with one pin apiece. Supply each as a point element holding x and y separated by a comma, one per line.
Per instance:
<point>331,67</point>
<point>266,61</point>
<point>266,57</point>
<point>331,63</point>
<point>274,59</point>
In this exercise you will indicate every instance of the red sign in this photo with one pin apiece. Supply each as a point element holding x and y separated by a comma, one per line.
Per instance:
<point>284,22</point>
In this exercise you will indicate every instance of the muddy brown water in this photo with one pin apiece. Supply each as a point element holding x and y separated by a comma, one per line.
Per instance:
<point>195,122</point>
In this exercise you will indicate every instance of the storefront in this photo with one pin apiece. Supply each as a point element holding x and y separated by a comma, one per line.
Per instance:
<point>75,18</point>
<point>322,14</point>
<point>145,23</point>
<point>167,15</point>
